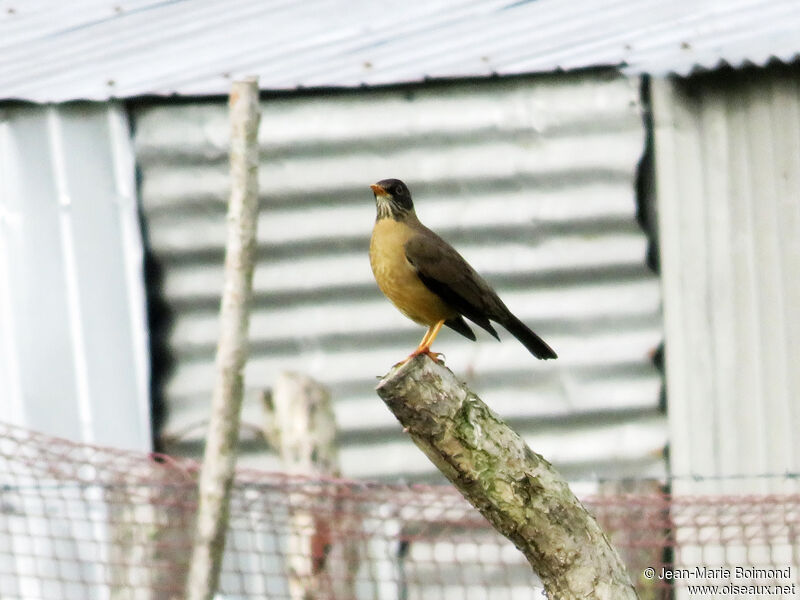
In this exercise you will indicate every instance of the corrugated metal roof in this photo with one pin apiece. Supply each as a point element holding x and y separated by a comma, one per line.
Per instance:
<point>531,179</point>
<point>728,160</point>
<point>56,51</point>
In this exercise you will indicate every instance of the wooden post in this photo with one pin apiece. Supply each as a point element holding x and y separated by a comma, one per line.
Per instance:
<point>219,459</point>
<point>301,426</point>
<point>650,522</point>
<point>518,491</point>
<point>150,529</point>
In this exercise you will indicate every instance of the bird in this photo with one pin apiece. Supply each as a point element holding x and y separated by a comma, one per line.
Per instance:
<point>429,281</point>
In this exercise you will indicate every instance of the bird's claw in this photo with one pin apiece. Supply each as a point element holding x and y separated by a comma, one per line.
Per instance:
<point>436,356</point>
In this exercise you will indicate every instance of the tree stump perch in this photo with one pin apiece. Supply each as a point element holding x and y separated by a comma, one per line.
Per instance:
<point>517,490</point>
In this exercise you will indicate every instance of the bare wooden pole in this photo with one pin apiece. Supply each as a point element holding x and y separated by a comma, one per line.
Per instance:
<point>301,425</point>
<point>300,415</point>
<point>518,491</point>
<point>219,459</point>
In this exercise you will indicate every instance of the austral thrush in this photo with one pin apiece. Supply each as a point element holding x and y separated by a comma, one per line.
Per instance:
<point>431,283</point>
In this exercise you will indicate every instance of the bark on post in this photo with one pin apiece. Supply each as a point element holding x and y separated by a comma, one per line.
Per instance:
<point>153,530</point>
<point>301,426</point>
<point>517,490</point>
<point>219,459</point>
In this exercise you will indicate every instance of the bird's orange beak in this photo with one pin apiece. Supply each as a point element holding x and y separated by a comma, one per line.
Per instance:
<point>378,189</point>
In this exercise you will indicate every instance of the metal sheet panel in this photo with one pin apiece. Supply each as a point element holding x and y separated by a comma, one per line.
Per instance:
<point>531,179</point>
<point>728,155</point>
<point>73,342</point>
<point>54,52</point>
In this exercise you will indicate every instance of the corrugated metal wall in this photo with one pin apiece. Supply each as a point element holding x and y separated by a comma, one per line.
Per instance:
<point>728,165</point>
<point>532,179</point>
<point>73,339</point>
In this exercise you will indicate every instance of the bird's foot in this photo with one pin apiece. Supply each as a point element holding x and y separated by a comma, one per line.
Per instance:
<point>436,356</point>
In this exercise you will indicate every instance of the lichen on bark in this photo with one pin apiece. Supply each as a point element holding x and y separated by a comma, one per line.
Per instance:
<point>517,490</point>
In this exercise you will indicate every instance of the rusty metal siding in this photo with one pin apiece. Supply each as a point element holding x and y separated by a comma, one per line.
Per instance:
<point>531,179</point>
<point>728,164</point>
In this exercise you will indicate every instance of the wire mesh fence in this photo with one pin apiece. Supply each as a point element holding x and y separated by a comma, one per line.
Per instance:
<point>81,522</point>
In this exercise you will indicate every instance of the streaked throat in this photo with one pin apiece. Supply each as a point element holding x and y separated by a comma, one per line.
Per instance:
<point>388,209</point>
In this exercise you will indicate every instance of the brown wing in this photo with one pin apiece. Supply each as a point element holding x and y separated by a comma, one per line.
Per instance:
<point>445,272</point>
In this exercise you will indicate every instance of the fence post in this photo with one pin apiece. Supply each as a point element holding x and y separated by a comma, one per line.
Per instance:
<point>518,491</point>
<point>301,426</point>
<point>150,528</point>
<point>219,460</point>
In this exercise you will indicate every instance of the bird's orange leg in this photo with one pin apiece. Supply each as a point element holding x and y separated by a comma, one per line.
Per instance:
<point>425,341</point>
<point>425,344</point>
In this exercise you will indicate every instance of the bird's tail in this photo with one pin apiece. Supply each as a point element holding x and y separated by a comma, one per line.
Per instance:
<point>535,345</point>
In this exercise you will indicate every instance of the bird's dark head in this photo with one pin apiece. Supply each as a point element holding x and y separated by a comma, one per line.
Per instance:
<point>392,199</point>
